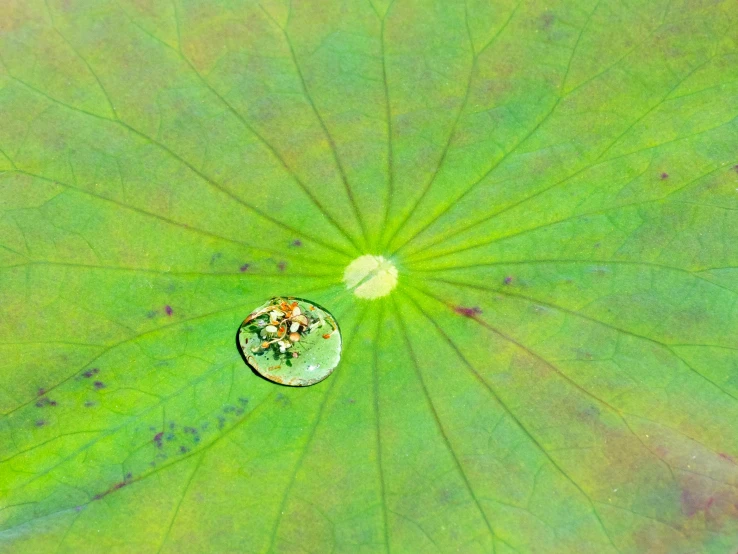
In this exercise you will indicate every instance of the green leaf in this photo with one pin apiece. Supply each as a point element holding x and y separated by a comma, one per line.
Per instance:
<point>553,184</point>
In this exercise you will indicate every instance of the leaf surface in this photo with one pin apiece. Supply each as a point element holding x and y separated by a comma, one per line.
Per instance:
<point>555,182</point>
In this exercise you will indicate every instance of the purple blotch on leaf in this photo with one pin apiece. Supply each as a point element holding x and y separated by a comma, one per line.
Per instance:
<point>45,402</point>
<point>41,392</point>
<point>508,280</point>
<point>664,176</point>
<point>282,266</point>
<point>297,242</point>
<point>90,372</point>
<point>244,267</point>
<point>168,309</point>
<point>468,312</point>
<point>40,422</point>
<point>157,439</point>
<point>98,385</point>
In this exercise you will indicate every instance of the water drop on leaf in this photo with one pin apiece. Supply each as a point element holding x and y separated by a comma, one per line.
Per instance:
<point>290,341</point>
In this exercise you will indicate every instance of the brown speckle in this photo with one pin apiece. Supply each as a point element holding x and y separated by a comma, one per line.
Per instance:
<point>282,266</point>
<point>664,176</point>
<point>98,385</point>
<point>244,267</point>
<point>168,309</point>
<point>508,280</point>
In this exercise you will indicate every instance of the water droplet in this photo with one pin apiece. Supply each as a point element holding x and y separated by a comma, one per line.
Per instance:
<point>291,341</point>
<point>370,276</point>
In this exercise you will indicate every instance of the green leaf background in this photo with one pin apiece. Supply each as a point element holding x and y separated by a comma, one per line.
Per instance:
<point>557,370</point>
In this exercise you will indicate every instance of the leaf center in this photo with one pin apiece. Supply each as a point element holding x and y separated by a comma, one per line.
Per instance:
<point>370,276</point>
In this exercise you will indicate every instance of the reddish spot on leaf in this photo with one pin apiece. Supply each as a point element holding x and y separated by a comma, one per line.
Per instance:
<point>168,309</point>
<point>508,280</point>
<point>98,385</point>
<point>282,266</point>
<point>468,312</point>
<point>725,456</point>
<point>90,372</point>
<point>41,392</point>
<point>709,503</point>
<point>244,267</point>
<point>664,176</point>
<point>157,439</point>
<point>297,242</point>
